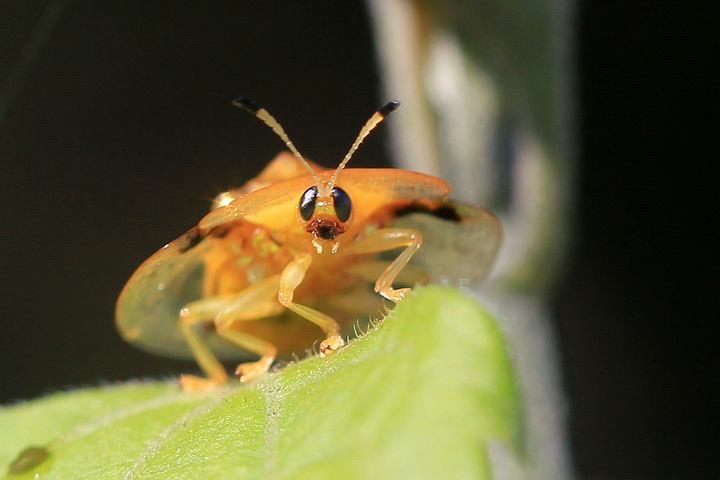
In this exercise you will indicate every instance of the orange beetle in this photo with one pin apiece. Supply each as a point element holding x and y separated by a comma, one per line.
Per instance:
<point>299,245</point>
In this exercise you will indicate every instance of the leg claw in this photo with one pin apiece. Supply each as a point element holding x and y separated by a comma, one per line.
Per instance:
<point>395,295</point>
<point>331,344</point>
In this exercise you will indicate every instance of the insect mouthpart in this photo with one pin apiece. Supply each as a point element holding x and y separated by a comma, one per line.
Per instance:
<point>325,228</point>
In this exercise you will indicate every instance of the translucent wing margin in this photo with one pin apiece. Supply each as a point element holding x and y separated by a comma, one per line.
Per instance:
<point>460,241</point>
<point>147,310</point>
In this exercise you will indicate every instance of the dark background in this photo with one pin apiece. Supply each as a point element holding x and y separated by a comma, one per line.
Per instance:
<point>120,130</point>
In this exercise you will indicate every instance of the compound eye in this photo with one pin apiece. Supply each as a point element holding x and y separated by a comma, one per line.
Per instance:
<point>307,203</point>
<point>343,205</point>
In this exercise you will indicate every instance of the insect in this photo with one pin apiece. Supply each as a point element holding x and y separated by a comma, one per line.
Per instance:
<point>294,255</point>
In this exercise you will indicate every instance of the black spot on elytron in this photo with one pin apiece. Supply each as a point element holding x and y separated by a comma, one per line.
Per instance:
<point>307,203</point>
<point>190,240</point>
<point>444,212</point>
<point>220,231</point>
<point>342,203</point>
<point>29,458</point>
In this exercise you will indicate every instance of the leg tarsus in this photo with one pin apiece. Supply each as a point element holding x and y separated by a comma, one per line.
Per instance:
<point>394,294</point>
<point>193,383</point>
<point>331,344</point>
<point>390,239</point>
<point>249,371</point>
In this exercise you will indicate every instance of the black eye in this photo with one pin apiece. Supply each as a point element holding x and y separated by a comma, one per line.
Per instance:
<point>343,205</point>
<point>307,203</point>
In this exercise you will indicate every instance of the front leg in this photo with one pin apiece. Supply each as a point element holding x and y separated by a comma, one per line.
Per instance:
<point>290,279</point>
<point>390,239</point>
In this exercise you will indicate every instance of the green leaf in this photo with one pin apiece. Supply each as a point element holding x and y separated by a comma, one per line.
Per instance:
<point>419,396</point>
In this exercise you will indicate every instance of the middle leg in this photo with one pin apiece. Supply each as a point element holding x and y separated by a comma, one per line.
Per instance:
<point>248,309</point>
<point>255,302</point>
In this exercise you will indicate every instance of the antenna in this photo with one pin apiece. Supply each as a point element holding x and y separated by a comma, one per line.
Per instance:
<point>372,122</point>
<point>252,107</point>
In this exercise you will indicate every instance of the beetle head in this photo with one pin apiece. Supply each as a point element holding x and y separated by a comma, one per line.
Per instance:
<point>324,208</point>
<point>325,212</point>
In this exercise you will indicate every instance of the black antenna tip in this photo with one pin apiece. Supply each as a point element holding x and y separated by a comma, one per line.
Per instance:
<point>389,107</point>
<point>246,104</point>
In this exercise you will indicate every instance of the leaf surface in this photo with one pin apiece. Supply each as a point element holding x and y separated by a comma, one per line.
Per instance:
<point>418,396</point>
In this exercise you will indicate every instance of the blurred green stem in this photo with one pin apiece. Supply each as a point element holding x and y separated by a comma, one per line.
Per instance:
<point>486,105</point>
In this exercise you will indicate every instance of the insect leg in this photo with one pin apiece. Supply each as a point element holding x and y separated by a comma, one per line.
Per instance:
<point>290,278</point>
<point>390,239</point>
<point>191,314</point>
<point>371,269</point>
<point>250,304</point>
<point>256,302</point>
